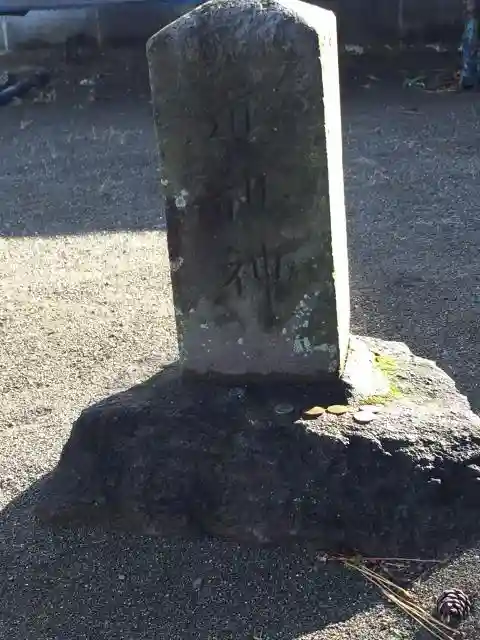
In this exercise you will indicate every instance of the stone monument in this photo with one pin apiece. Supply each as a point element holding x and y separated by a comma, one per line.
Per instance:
<point>264,443</point>
<point>247,112</point>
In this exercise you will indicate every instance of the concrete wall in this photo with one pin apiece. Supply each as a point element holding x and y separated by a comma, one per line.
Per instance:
<point>128,21</point>
<point>386,20</point>
<point>360,21</point>
<point>52,27</point>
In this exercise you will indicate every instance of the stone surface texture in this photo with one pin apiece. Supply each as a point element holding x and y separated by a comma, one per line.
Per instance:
<point>179,455</point>
<point>247,112</point>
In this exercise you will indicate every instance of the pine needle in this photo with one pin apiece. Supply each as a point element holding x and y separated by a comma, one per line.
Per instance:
<point>405,601</point>
<point>389,560</point>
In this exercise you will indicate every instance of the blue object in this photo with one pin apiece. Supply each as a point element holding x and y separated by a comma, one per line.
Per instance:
<point>469,75</point>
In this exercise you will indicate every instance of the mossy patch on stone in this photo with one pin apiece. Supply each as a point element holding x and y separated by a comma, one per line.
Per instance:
<point>388,366</point>
<point>385,399</point>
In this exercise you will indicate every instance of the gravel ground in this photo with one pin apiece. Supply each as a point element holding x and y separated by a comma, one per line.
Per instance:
<point>86,311</point>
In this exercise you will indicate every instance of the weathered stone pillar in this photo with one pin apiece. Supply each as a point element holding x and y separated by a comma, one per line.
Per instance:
<point>247,111</point>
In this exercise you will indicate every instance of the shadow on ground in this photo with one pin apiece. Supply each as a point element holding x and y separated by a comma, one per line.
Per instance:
<point>84,584</point>
<point>85,160</point>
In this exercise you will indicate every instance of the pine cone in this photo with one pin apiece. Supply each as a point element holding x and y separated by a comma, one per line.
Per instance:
<point>453,605</point>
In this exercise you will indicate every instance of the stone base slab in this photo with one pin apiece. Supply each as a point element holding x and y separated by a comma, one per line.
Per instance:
<point>177,456</point>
